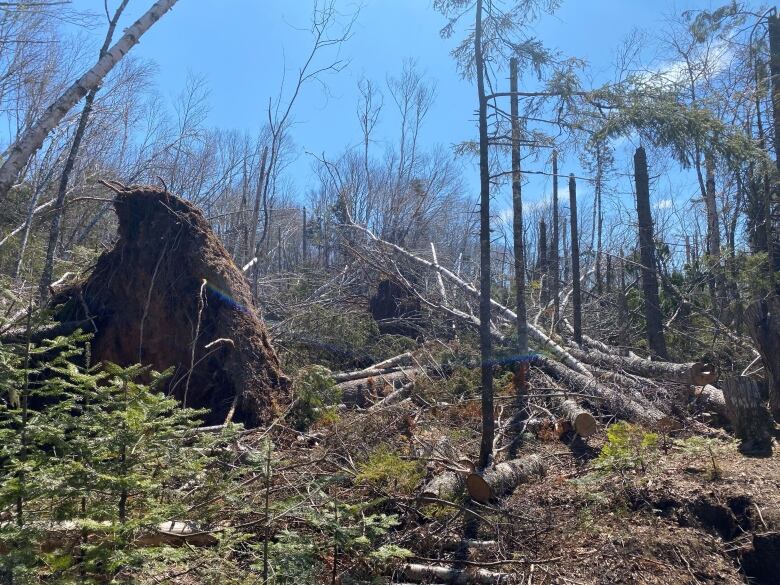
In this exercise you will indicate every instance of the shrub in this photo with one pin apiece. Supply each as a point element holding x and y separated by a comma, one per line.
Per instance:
<point>627,447</point>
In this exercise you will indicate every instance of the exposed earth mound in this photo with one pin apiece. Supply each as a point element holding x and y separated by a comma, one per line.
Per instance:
<point>169,295</point>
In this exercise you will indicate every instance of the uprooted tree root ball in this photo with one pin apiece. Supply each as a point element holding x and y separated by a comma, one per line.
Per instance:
<point>169,295</point>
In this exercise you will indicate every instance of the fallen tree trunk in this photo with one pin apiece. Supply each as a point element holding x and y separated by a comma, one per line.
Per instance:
<point>751,420</point>
<point>431,573</point>
<point>694,373</point>
<point>68,534</point>
<point>501,479</point>
<point>445,486</point>
<point>375,370</point>
<point>619,404</point>
<point>364,391</point>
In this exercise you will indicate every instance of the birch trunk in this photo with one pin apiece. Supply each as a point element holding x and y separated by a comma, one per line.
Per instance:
<point>33,138</point>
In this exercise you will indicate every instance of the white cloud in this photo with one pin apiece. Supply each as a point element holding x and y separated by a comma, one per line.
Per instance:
<point>664,204</point>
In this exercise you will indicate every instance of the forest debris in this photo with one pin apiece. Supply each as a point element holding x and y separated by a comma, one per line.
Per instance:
<point>363,391</point>
<point>166,290</point>
<point>376,369</point>
<point>618,403</point>
<point>501,479</point>
<point>535,333</point>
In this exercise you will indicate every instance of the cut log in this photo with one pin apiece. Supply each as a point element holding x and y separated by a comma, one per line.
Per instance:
<point>445,486</point>
<point>67,534</point>
<point>712,399</point>
<point>365,391</point>
<point>501,479</point>
<point>749,416</point>
<point>695,373</point>
<point>621,405</point>
<point>583,422</point>
<point>430,573</point>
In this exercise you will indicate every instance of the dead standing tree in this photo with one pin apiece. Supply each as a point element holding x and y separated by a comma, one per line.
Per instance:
<point>652,304</point>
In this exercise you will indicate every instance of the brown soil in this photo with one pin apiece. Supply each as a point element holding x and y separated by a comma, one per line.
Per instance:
<point>169,281</point>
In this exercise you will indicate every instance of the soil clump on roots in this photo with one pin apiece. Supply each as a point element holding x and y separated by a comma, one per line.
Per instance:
<point>169,295</point>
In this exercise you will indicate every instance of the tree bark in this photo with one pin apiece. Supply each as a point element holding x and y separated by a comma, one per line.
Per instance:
<point>27,144</point>
<point>485,340</point>
<point>712,399</point>
<point>615,402</point>
<point>575,261</point>
<point>517,221</point>
<point>432,574</point>
<point>749,417</point>
<point>774,69</point>
<point>762,320</point>
<point>555,268</point>
<point>544,268</point>
<point>504,477</point>
<point>652,304</point>
<point>694,373</point>
<point>582,421</point>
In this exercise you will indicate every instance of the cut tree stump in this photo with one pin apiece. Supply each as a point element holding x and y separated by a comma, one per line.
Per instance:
<point>504,477</point>
<point>762,319</point>
<point>751,420</point>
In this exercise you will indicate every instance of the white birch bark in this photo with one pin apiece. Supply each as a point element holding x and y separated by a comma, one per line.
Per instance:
<point>33,138</point>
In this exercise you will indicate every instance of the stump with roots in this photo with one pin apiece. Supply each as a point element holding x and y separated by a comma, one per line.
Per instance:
<point>168,294</point>
<point>749,417</point>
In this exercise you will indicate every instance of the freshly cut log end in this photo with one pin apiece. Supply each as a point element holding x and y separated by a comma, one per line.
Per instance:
<point>504,477</point>
<point>583,422</point>
<point>702,373</point>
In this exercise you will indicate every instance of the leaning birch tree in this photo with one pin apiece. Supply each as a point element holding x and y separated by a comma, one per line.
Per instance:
<point>32,139</point>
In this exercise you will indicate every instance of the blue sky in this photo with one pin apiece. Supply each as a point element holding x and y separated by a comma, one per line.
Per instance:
<point>242,47</point>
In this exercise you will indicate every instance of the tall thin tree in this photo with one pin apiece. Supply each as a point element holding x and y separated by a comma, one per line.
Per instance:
<point>576,296</point>
<point>485,341</point>
<point>62,191</point>
<point>652,304</point>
